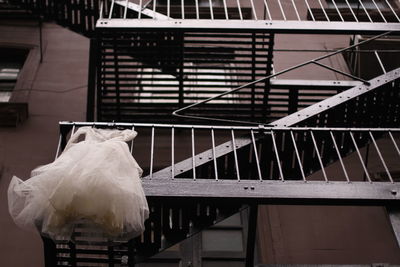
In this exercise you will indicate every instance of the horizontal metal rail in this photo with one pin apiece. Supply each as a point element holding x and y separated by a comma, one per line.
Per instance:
<point>323,27</point>
<point>290,192</point>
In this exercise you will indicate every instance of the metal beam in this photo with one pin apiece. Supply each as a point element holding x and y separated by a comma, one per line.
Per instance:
<point>274,190</point>
<point>251,235</point>
<point>246,25</point>
<point>394,217</point>
<point>312,84</point>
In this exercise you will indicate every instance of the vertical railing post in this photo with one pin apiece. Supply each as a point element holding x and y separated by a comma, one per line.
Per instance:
<point>251,235</point>
<point>98,63</point>
<point>267,86</point>
<point>91,90</point>
<point>253,74</point>
<point>293,100</point>
<point>181,71</point>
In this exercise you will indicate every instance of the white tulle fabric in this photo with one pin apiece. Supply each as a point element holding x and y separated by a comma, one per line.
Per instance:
<point>96,181</point>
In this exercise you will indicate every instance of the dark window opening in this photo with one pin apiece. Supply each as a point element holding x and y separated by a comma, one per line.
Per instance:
<point>11,63</point>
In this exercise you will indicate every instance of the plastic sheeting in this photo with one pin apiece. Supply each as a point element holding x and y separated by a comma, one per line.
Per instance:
<point>95,181</point>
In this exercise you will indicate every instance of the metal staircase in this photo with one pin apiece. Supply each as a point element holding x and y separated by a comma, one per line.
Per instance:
<point>78,15</point>
<point>285,162</point>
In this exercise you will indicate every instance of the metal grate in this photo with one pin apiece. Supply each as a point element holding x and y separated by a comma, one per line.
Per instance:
<point>147,75</point>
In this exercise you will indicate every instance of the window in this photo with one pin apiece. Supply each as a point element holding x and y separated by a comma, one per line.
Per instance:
<point>11,62</point>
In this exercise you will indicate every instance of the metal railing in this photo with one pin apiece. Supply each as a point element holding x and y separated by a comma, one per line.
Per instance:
<point>275,153</point>
<point>287,10</point>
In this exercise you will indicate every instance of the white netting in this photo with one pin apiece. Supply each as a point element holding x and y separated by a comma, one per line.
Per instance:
<point>96,180</point>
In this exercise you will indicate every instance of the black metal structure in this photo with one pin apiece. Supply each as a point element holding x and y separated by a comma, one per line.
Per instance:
<point>149,60</point>
<point>78,15</point>
<point>143,74</point>
<point>253,165</point>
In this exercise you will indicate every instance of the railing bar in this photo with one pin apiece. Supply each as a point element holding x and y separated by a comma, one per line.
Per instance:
<point>253,8</point>
<point>323,10</point>
<point>295,9</point>
<point>360,157</point>
<point>394,142</point>
<point>168,9</point>
<point>154,7</point>
<point>145,5</point>
<point>273,69</point>
<point>298,156</point>
<point>309,9</point>
<point>58,146</point>
<point>319,156</point>
<point>183,8</point>
<point>152,152</point>
<point>101,10</point>
<point>172,153</point>
<point>240,10</point>
<point>225,9</point>
<point>256,155</point>
<point>277,156</point>
<point>351,10</point>
<point>131,148</point>
<point>245,128</point>
<point>175,113</point>
<point>379,11</point>
<point>211,9</point>
<point>365,10</point>
<point>111,10</point>
<point>267,9</point>
<point>214,154</point>
<point>140,9</point>
<point>197,9</point>
<point>340,157</point>
<point>235,155</point>
<point>337,9</point>
<point>391,8</point>
<point>380,157</point>
<point>126,8</point>
<point>341,72</point>
<point>281,8</point>
<point>193,156</point>
<point>380,61</point>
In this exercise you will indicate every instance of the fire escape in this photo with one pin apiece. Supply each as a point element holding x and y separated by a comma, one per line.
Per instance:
<point>174,70</point>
